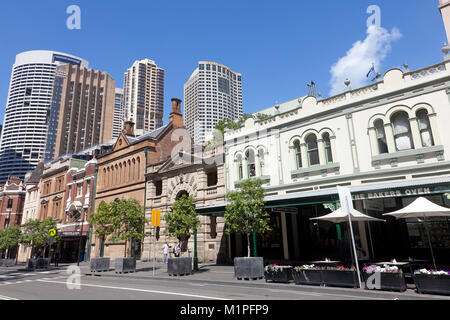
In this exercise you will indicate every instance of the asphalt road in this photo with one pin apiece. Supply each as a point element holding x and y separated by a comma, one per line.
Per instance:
<point>58,285</point>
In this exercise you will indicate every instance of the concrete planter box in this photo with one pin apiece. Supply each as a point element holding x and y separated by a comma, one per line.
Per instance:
<point>179,266</point>
<point>7,262</point>
<point>125,265</point>
<point>282,276</point>
<point>40,263</point>
<point>337,278</point>
<point>308,277</point>
<point>394,281</point>
<point>100,264</point>
<point>249,268</point>
<point>436,284</point>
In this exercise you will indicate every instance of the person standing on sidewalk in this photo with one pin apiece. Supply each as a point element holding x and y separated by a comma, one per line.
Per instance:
<point>165,251</point>
<point>177,250</point>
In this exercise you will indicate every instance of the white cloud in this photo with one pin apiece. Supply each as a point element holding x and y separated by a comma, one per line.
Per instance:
<point>358,61</point>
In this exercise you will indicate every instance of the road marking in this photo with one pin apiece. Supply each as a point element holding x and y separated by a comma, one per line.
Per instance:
<point>139,290</point>
<point>7,298</point>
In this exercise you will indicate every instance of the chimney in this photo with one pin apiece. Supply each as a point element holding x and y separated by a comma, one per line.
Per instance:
<point>176,118</point>
<point>444,7</point>
<point>129,128</point>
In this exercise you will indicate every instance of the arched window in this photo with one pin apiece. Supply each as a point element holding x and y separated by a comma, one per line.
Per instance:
<point>425,128</point>
<point>129,170</point>
<point>133,170</point>
<point>120,173</point>
<point>327,146</point>
<point>402,131</point>
<point>138,168</point>
<point>313,150</point>
<point>381,137</point>
<point>251,163</point>
<point>298,154</point>
<point>240,171</point>
<point>261,161</point>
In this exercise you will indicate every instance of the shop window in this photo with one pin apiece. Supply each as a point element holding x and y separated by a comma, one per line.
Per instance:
<point>212,179</point>
<point>239,167</point>
<point>425,129</point>
<point>327,146</point>
<point>402,131</point>
<point>159,188</point>
<point>381,137</point>
<point>298,154</point>
<point>251,164</point>
<point>313,150</point>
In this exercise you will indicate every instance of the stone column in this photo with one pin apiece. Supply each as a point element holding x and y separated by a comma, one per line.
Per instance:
<point>304,152</point>
<point>434,129</point>
<point>295,235</point>
<point>293,158</point>
<point>284,234</point>
<point>415,132</point>
<point>321,146</point>
<point>373,141</point>
<point>390,138</point>
<point>257,165</point>
<point>334,149</point>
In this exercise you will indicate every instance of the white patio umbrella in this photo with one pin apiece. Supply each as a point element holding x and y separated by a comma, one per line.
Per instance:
<point>422,208</point>
<point>340,216</point>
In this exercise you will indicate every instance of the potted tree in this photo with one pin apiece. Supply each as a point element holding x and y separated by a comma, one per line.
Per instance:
<point>35,235</point>
<point>9,239</point>
<point>384,278</point>
<point>102,221</point>
<point>129,224</point>
<point>246,214</point>
<point>181,223</point>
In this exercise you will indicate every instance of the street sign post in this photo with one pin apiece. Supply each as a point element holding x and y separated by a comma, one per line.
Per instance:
<point>156,222</point>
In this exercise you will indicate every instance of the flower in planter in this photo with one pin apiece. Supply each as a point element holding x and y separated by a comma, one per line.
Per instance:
<point>275,268</point>
<point>386,269</point>
<point>339,268</point>
<point>432,272</point>
<point>306,267</point>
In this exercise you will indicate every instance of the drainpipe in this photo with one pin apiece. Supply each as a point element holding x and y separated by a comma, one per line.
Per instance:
<point>94,194</point>
<point>145,200</point>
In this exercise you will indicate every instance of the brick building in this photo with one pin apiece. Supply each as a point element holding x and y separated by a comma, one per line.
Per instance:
<point>12,198</point>
<point>121,172</point>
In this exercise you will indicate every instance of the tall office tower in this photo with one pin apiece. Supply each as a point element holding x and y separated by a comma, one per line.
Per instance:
<point>84,117</point>
<point>212,93</point>
<point>144,96</point>
<point>119,113</point>
<point>25,123</point>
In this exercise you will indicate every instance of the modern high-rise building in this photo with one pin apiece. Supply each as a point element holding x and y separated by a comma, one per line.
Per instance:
<point>119,113</point>
<point>26,119</point>
<point>212,93</point>
<point>84,117</point>
<point>144,96</point>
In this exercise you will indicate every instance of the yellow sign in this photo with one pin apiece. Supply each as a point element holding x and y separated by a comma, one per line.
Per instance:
<point>156,218</point>
<point>52,232</point>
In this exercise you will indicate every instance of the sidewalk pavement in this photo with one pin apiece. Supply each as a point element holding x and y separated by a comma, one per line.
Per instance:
<point>224,275</point>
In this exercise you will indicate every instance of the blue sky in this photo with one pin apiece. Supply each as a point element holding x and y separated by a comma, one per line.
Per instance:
<point>278,46</point>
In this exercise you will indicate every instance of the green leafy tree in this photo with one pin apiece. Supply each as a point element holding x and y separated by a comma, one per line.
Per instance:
<point>129,221</point>
<point>246,212</point>
<point>182,221</point>
<point>9,238</point>
<point>35,234</point>
<point>120,220</point>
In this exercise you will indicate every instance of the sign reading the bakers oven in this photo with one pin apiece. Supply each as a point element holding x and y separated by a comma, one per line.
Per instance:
<point>393,193</point>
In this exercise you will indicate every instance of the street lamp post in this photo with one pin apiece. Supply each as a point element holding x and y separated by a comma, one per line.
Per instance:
<point>81,237</point>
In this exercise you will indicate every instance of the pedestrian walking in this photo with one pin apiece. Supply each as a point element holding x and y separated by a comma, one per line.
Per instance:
<point>177,250</point>
<point>165,251</point>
